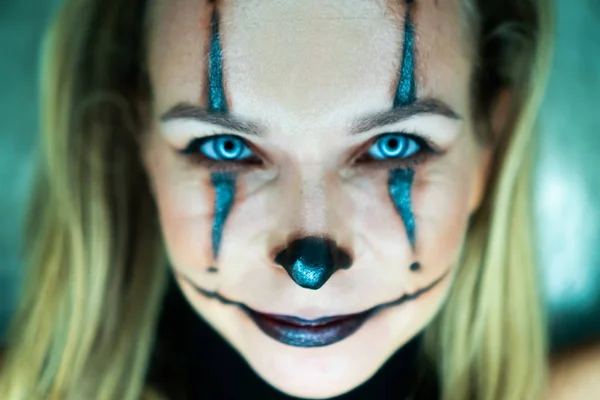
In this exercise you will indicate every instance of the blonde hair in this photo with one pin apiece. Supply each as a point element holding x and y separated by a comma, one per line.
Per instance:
<point>97,268</point>
<point>489,340</point>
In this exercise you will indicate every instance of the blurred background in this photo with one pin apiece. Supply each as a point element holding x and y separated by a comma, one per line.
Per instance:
<point>567,190</point>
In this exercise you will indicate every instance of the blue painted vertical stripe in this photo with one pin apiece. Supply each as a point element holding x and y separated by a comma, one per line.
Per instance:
<point>400,185</point>
<point>406,90</point>
<point>400,180</point>
<point>216,93</point>
<point>224,184</point>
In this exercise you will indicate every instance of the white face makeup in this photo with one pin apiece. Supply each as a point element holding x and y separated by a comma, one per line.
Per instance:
<point>314,206</point>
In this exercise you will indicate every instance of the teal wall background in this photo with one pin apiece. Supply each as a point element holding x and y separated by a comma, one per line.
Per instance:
<point>22,23</point>
<point>568,176</point>
<point>567,181</point>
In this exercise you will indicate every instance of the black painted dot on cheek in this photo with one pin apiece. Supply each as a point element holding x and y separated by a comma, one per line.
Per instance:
<point>415,266</point>
<point>212,270</point>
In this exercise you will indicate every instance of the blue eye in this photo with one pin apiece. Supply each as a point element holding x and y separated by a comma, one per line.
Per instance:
<point>394,146</point>
<point>220,148</point>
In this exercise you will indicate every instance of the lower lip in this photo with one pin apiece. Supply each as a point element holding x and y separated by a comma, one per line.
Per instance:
<point>304,333</point>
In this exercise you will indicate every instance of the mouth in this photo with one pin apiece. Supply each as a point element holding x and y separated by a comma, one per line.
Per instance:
<point>320,332</point>
<point>300,332</point>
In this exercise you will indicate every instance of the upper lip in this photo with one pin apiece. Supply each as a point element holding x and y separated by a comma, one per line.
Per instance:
<point>308,323</point>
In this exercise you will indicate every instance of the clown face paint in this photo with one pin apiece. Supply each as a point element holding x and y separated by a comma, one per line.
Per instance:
<point>299,332</point>
<point>277,123</point>
<point>406,91</point>
<point>310,261</point>
<point>223,183</point>
<point>400,181</point>
<point>216,100</point>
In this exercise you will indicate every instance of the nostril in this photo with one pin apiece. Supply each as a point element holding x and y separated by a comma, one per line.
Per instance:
<point>310,261</point>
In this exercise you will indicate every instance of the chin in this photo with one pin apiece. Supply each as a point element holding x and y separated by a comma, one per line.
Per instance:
<point>317,373</point>
<point>324,357</point>
<point>331,370</point>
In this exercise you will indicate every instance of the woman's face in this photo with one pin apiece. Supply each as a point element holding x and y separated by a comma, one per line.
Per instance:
<point>314,165</point>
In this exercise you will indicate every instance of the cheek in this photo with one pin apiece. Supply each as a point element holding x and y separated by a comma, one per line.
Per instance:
<point>185,202</point>
<point>185,197</point>
<point>442,213</point>
<point>443,198</point>
<point>440,195</point>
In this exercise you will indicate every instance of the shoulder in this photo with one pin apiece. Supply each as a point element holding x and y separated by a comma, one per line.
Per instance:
<point>574,373</point>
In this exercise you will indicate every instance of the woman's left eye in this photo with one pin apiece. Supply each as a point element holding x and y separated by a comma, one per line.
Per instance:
<point>394,146</point>
<point>220,148</point>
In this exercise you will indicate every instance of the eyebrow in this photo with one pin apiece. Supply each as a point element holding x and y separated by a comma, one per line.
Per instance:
<point>402,113</point>
<point>363,124</point>
<point>223,119</point>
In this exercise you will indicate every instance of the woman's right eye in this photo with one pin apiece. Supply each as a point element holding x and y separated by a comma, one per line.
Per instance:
<point>220,148</point>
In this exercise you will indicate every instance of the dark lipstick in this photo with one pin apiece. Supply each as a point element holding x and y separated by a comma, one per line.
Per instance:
<point>300,332</point>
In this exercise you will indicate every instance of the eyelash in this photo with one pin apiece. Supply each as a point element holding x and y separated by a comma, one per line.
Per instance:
<point>193,151</point>
<point>426,150</point>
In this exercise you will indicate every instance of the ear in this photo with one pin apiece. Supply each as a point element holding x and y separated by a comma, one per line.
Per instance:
<point>500,113</point>
<point>499,121</point>
<point>481,177</point>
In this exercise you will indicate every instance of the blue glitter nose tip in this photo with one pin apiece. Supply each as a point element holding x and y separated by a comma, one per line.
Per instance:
<point>311,261</point>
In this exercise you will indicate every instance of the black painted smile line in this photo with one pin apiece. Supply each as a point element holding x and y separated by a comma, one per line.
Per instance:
<point>379,307</point>
<point>300,332</point>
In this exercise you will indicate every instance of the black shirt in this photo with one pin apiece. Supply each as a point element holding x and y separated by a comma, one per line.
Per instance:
<point>182,370</point>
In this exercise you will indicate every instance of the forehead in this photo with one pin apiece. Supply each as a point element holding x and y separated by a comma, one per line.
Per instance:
<point>311,59</point>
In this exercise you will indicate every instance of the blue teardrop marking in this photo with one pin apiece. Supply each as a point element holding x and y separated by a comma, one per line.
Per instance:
<point>216,92</point>
<point>406,90</point>
<point>224,184</point>
<point>399,186</point>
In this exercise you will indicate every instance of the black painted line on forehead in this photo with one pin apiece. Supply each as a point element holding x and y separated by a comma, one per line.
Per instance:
<point>406,89</point>
<point>217,100</point>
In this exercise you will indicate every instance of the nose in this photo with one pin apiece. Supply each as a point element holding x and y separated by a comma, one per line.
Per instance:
<point>312,260</point>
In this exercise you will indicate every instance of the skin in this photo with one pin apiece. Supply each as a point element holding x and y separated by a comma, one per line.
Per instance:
<point>303,73</point>
<point>574,373</point>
